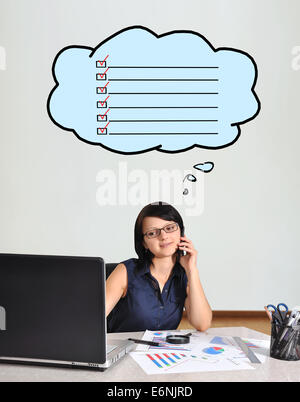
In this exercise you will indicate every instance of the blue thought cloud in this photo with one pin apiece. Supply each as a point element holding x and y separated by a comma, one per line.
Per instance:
<point>138,91</point>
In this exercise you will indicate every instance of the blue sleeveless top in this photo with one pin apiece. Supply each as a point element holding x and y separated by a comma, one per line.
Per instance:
<point>144,306</point>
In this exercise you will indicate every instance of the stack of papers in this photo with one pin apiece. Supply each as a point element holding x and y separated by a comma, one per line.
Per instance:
<point>204,353</point>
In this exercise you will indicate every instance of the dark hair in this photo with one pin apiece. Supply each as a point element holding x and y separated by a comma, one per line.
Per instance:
<point>160,210</point>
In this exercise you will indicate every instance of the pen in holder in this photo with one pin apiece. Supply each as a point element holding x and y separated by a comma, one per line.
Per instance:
<point>285,341</point>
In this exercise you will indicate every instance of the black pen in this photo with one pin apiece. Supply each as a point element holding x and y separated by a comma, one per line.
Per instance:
<point>144,342</point>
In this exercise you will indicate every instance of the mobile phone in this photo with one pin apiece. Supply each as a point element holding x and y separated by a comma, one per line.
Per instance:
<point>181,252</point>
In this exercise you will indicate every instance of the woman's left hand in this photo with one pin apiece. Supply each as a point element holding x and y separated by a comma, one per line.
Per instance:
<point>188,261</point>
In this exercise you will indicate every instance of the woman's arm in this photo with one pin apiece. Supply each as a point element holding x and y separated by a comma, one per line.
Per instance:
<point>198,310</point>
<point>116,287</point>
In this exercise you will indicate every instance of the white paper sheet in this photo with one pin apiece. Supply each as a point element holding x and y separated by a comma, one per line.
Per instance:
<point>203,353</point>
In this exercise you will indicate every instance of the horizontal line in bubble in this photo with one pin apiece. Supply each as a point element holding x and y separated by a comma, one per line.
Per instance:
<point>161,121</point>
<point>164,107</point>
<point>164,93</point>
<point>163,67</point>
<point>163,79</point>
<point>183,134</point>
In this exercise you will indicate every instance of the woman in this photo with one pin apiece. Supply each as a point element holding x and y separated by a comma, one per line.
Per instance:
<point>151,291</point>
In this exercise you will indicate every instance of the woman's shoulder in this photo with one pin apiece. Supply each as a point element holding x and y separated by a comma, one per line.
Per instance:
<point>131,265</point>
<point>134,267</point>
<point>130,262</point>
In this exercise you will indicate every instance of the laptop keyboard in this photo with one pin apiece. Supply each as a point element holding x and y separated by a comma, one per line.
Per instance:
<point>110,348</point>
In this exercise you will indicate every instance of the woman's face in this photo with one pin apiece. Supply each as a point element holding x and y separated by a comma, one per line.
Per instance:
<point>166,244</point>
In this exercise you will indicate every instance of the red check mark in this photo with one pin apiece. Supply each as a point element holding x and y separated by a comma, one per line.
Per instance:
<point>103,129</point>
<point>102,89</point>
<point>102,75</point>
<point>103,115</point>
<point>102,62</point>
<point>102,103</point>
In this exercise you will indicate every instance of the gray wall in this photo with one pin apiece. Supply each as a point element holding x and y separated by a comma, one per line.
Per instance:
<point>247,226</point>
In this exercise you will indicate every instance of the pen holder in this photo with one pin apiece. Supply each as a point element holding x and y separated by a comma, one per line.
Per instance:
<point>285,342</point>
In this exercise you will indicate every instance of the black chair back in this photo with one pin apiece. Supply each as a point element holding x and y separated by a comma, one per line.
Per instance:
<point>109,268</point>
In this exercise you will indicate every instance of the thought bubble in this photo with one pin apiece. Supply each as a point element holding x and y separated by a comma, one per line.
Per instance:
<point>189,177</point>
<point>205,167</point>
<point>138,91</point>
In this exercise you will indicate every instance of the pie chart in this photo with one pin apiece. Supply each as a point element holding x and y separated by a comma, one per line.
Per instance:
<point>215,350</point>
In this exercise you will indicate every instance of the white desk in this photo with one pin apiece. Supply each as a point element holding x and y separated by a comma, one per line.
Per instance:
<point>127,369</point>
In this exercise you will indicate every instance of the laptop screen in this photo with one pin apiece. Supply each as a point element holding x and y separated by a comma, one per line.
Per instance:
<point>52,308</point>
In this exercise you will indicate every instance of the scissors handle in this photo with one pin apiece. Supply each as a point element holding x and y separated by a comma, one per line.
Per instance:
<point>271,308</point>
<point>286,309</point>
<point>278,315</point>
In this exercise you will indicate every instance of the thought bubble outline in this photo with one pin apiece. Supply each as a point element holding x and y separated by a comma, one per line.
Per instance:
<point>157,147</point>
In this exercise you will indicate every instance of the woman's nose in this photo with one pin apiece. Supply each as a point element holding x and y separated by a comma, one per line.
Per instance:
<point>163,234</point>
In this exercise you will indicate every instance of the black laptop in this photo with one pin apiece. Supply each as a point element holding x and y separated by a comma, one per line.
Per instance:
<point>52,312</point>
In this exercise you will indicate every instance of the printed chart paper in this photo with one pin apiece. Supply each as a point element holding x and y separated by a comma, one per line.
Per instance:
<point>204,353</point>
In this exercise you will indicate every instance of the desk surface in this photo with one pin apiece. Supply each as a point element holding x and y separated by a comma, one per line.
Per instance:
<point>127,369</point>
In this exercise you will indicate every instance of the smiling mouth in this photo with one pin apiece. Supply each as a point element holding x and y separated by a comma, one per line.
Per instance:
<point>165,245</point>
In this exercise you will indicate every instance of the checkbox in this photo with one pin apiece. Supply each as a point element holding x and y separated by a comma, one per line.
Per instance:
<point>101,105</point>
<point>100,64</point>
<point>101,131</point>
<point>102,117</point>
<point>101,77</point>
<point>101,90</point>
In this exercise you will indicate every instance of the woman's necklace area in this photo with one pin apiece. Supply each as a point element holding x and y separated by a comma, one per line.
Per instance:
<point>161,278</point>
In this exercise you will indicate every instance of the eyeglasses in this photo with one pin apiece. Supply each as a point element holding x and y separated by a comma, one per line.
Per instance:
<point>171,227</point>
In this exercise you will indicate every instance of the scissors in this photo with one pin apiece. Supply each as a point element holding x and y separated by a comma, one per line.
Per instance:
<point>294,316</point>
<point>278,313</point>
